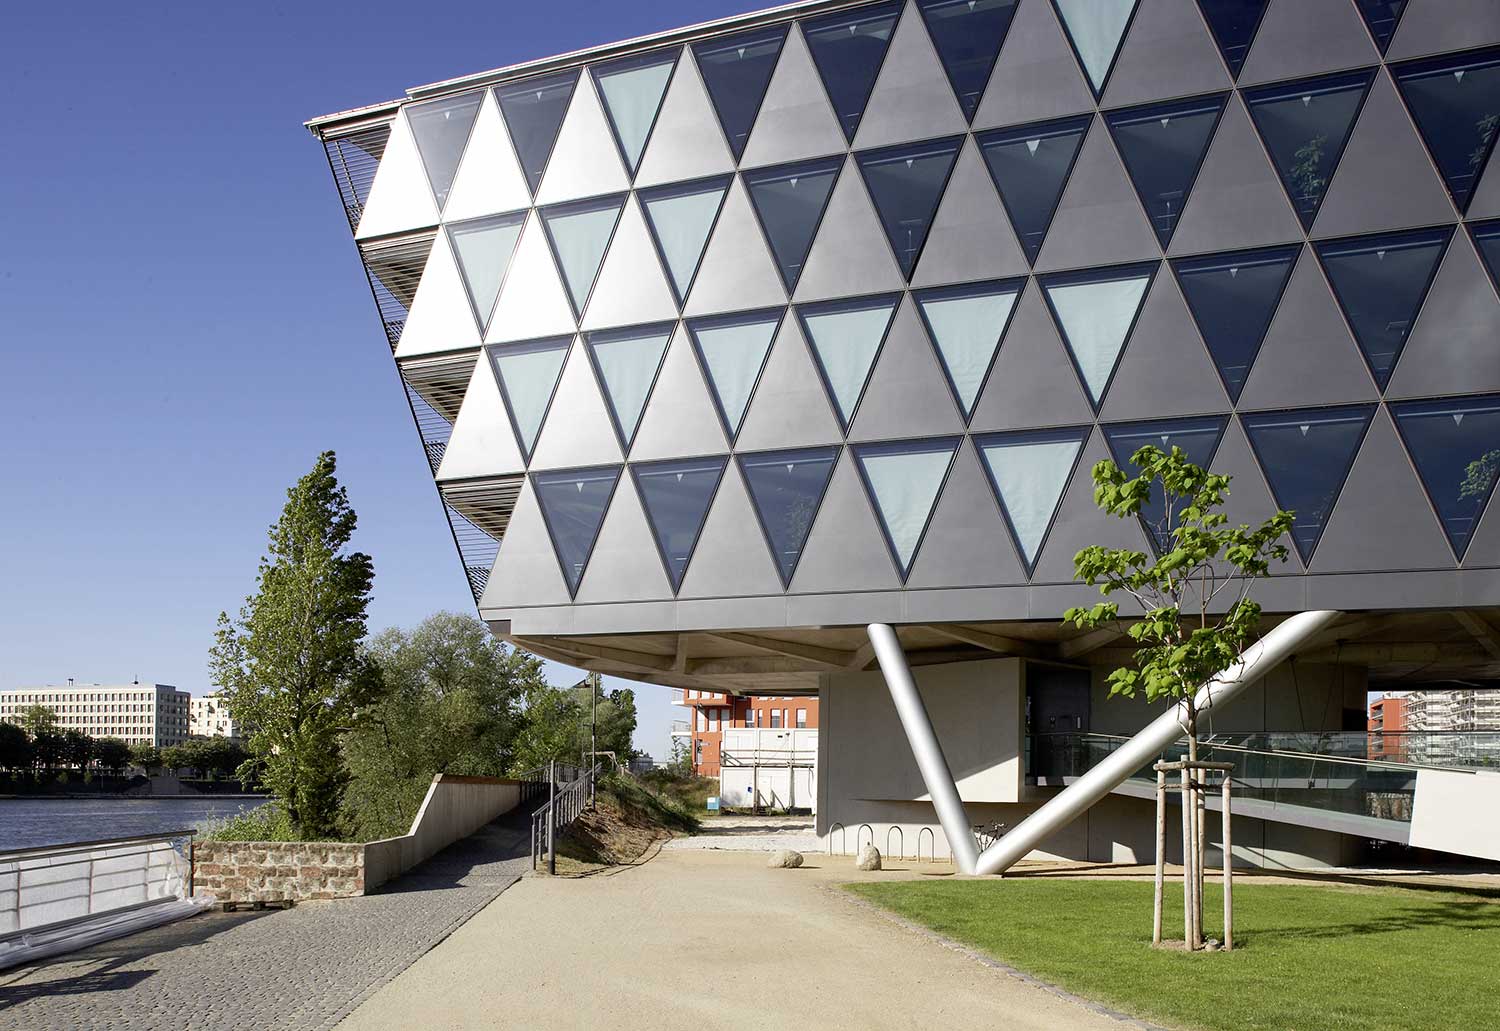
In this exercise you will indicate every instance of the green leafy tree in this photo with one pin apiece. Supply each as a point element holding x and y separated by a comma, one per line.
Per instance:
<point>111,754</point>
<point>147,757</point>
<point>292,664</point>
<point>556,721</point>
<point>48,750</point>
<point>77,749</point>
<point>15,748</point>
<point>38,719</point>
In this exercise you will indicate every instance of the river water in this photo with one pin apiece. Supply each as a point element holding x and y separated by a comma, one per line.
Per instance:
<point>35,822</point>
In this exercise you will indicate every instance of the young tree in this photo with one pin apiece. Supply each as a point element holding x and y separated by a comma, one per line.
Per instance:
<point>15,748</point>
<point>112,754</point>
<point>38,719</point>
<point>147,757</point>
<point>291,664</point>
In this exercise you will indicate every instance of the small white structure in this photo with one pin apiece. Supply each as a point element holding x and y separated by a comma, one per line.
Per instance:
<point>211,717</point>
<point>765,768</point>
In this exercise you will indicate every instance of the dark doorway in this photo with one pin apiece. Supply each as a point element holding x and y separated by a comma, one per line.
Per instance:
<point>1057,717</point>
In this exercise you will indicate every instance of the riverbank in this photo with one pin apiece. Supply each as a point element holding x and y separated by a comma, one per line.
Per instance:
<point>37,822</point>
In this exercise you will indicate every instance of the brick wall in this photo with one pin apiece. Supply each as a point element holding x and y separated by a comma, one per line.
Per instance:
<point>273,871</point>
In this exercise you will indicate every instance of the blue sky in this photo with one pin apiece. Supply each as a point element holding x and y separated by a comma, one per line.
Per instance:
<point>184,320</point>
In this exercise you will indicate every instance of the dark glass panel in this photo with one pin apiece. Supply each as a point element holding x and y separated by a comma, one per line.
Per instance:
<point>533,110</point>
<point>968,35</point>
<point>1455,101</point>
<point>1487,240</point>
<point>441,130</point>
<point>1030,165</point>
<point>1233,298</point>
<point>787,488</point>
<point>1382,16</point>
<point>789,201</point>
<point>1198,439</point>
<point>1233,23</point>
<point>1306,455</point>
<point>1163,147</point>
<point>848,48</point>
<point>906,183</point>
<point>1380,282</point>
<point>1304,126</point>
<point>573,502</point>
<point>1455,444</point>
<point>737,69</point>
<point>676,496</point>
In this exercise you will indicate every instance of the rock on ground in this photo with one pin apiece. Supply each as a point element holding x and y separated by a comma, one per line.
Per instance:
<point>785,858</point>
<point>869,858</point>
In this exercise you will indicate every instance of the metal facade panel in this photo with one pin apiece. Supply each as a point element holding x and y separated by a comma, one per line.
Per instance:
<point>679,420</point>
<point>578,430</point>
<point>632,286</point>
<point>1432,26</point>
<point>1238,200</point>
<point>1033,382</point>
<point>1168,52</point>
<point>850,254</point>
<point>526,571</point>
<point>1484,547</point>
<point>731,558</point>
<point>966,543</point>
<point>912,98</point>
<point>795,120</point>
<point>686,142</point>
<point>907,395</point>
<point>1385,180</point>
<point>1309,356</point>
<point>971,237</point>
<point>1079,523</point>
<point>400,198</point>
<point>489,178</point>
<point>441,318</point>
<point>585,161</point>
<point>1250,500</point>
<point>790,408</point>
<point>1035,77</point>
<point>736,272</point>
<point>846,550</point>
<point>1166,369</point>
<point>1307,37</point>
<point>1382,518</point>
<point>1485,203</point>
<point>533,302</point>
<point>483,443</point>
<point>625,564</point>
<point>1454,347</point>
<point>1099,220</point>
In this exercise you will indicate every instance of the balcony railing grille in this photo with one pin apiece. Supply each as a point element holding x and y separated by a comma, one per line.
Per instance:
<point>354,159</point>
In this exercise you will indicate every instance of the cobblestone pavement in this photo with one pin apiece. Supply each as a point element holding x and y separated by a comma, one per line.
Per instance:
<point>303,968</point>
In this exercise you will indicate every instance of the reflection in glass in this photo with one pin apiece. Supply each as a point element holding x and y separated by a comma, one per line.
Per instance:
<point>737,69</point>
<point>789,201</point>
<point>676,496</point>
<point>906,182</point>
<point>848,47</point>
<point>1233,298</point>
<point>573,502</point>
<point>1030,165</point>
<point>1455,444</point>
<point>967,35</point>
<point>1305,126</point>
<point>1163,147</point>
<point>1455,101</point>
<point>787,488</point>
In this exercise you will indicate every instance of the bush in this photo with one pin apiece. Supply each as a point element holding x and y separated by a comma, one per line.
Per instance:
<point>268,822</point>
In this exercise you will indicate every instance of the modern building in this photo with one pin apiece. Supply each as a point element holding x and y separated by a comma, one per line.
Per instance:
<point>140,714</point>
<point>714,712</point>
<point>1388,727</point>
<point>732,346</point>
<point>211,717</point>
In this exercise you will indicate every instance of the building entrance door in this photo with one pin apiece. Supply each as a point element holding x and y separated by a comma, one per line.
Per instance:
<point>1057,717</point>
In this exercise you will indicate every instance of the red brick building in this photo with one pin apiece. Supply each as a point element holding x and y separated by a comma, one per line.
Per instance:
<point>711,713</point>
<point>1387,726</point>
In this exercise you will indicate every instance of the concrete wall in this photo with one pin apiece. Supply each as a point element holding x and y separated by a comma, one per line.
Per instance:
<point>1454,811</point>
<point>454,808</point>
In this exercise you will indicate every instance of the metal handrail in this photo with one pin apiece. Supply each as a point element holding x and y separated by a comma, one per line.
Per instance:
<point>74,846</point>
<point>1288,753</point>
<point>565,804</point>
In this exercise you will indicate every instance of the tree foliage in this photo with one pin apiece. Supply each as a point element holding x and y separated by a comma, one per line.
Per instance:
<point>291,664</point>
<point>15,748</point>
<point>111,753</point>
<point>209,757</point>
<point>557,720</point>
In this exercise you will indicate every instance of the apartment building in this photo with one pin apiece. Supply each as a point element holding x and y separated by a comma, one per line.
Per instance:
<point>140,714</point>
<point>210,717</point>
<point>714,712</point>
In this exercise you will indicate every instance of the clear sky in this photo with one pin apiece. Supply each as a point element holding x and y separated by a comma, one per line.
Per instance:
<point>184,322</point>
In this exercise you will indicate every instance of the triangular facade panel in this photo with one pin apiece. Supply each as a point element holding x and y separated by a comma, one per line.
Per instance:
<point>912,98</point>
<point>737,69</point>
<point>906,183</point>
<point>1163,146</point>
<point>632,90</point>
<point>1455,445</point>
<point>1096,312</point>
<point>796,121</point>
<point>967,37</point>
<point>1096,28</point>
<point>967,542</point>
<point>631,288</point>
<point>845,338</point>
<point>1382,520</point>
<point>1249,502</point>
<point>1028,472</point>
<point>787,489</point>
<point>1029,166</point>
<point>1382,17</point>
<point>625,564</point>
<point>971,236</point>
<point>1233,297</point>
<point>1486,200</point>
<point>1308,357</point>
<point>1196,436</point>
<point>528,374</point>
<point>533,301</point>
<point>1169,53</point>
<point>848,48</point>
<point>1385,180</point>
<point>585,161</point>
<point>526,572</point>
<point>1099,220</point>
<point>1308,37</point>
<point>482,443</point>
<point>846,549</point>
<point>790,201</point>
<point>686,142</point>
<point>440,318</point>
<point>1233,25</point>
<point>400,198</point>
<point>585,434</point>
<point>533,111</point>
<point>965,324</point>
<point>1433,26</point>
<point>737,270</point>
<point>906,395</point>
<point>574,503</point>
<point>580,233</point>
<point>483,248</point>
<point>1165,370</point>
<point>790,407</point>
<point>680,419</point>
<point>904,479</point>
<point>681,217</point>
<point>728,560</point>
<point>1079,523</point>
<point>1033,382</point>
<point>850,254</point>
<point>1035,77</point>
<point>441,130</point>
<point>1484,550</point>
<point>626,363</point>
<point>1455,100</point>
<point>733,350</point>
<point>1452,348</point>
<point>490,179</point>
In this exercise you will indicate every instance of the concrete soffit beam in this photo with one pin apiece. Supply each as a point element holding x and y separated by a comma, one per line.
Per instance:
<point>990,642</point>
<point>830,659</point>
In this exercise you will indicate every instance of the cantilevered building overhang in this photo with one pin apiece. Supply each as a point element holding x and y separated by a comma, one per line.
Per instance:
<point>726,342</point>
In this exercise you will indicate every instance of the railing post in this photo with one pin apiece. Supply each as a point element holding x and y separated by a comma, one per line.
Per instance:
<point>1228,871</point>
<point>552,817</point>
<point>1161,850</point>
<point>1188,851</point>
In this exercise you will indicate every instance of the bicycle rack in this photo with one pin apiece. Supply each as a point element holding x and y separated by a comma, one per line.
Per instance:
<point>842,841</point>
<point>857,839</point>
<point>932,838</point>
<point>901,839</point>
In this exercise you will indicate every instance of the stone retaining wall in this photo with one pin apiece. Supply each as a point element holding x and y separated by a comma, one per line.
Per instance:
<point>276,871</point>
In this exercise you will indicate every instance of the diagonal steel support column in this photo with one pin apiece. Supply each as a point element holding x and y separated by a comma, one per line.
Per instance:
<point>925,748</point>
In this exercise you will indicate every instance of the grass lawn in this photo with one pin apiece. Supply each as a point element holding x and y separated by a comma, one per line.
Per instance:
<point>1307,957</point>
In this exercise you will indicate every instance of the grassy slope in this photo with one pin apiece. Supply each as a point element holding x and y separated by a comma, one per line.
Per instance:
<point>627,819</point>
<point>1305,957</point>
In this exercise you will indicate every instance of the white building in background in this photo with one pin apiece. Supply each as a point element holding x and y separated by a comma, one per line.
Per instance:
<point>210,717</point>
<point>139,714</point>
<point>1458,709</point>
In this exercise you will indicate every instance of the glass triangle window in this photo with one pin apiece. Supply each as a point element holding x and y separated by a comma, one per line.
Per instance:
<point>904,479</point>
<point>1380,282</point>
<point>1304,126</point>
<point>681,217</point>
<point>1030,166</point>
<point>533,110</point>
<point>441,130</point>
<point>906,183</point>
<point>968,35</point>
<point>733,351</point>
<point>1029,472</point>
<point>1233,24</point>
<point>1095,28</point>
<point>787,488</point>
<point>848,47</point>
<point>1487,242</point>
<point>845,338</point>
<point>1306,455</point>
<point>1198,439</point>
<point>1382,16</point>
<point>579,233</point>
<point>965,324</point>
<point>1095,311</point>
<point>528,375</point>
<point>632,89</point>
<point>1455,101</point>
<point>1233,298</point>
<point>573,503</point>
<point>676,496</point>
<point>1163,147</point>
<point>1455,444</point>
<point>789,201</point>
<point>627,361</point>
<point>737,69</point>
<point>483,249</point>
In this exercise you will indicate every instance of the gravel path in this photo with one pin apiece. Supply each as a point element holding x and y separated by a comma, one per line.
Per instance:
<point>303,968</point>
<point>751,834</point>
